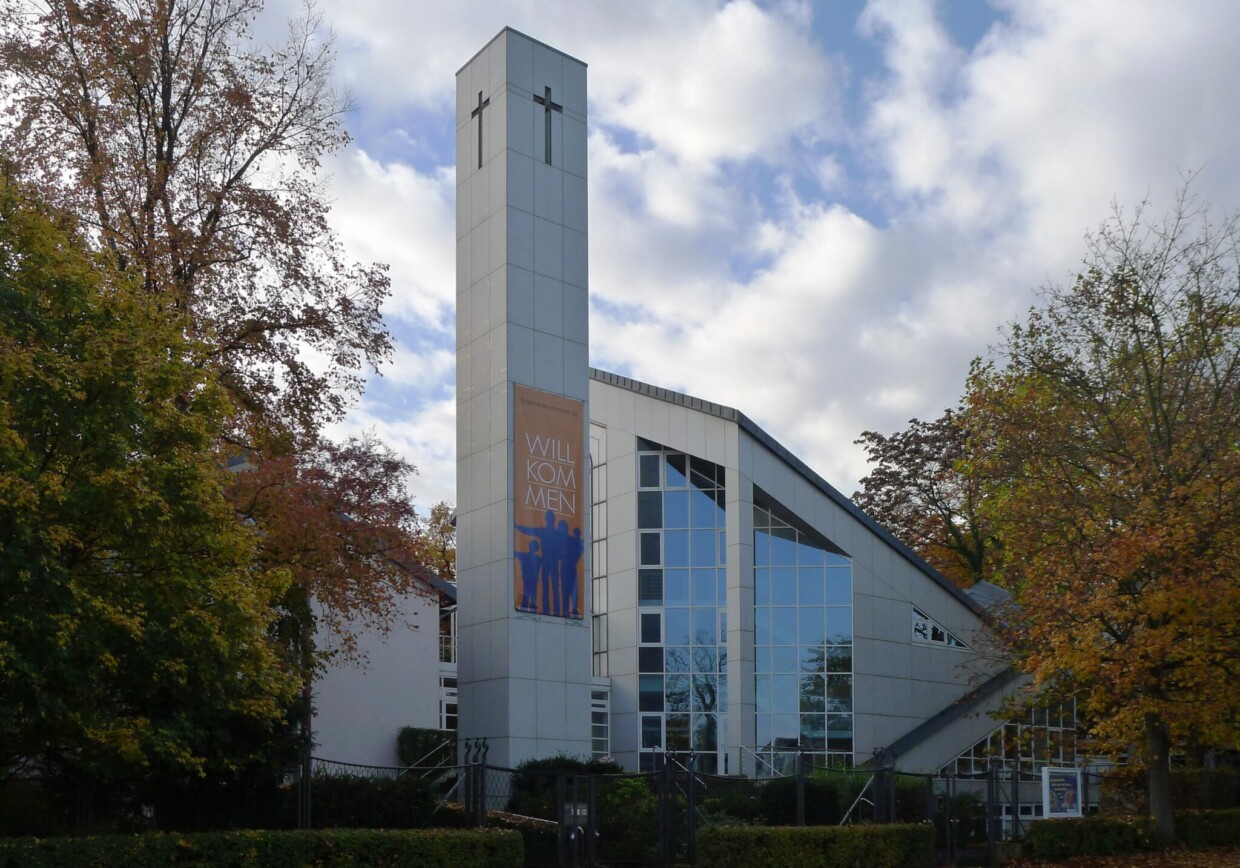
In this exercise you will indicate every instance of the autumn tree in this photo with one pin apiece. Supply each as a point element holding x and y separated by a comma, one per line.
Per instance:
<point>134,631</point>
<point>192,156</point>
<point>917,490</point>
<point>1107,430</point>
<point>340,519</point>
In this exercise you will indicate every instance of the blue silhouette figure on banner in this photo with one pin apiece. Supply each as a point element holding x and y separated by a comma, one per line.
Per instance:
<point>574,548</point>
<point>553,542</point>
<point>531,567</point>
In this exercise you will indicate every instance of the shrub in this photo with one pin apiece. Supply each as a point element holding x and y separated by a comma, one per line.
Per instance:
<point>814,846</point>
<point>282,849</point>
<point>356,802</point>
<point>1090,836</point>
<point>413,743</point>
<point>533,787</point>
<point>1208,828</point>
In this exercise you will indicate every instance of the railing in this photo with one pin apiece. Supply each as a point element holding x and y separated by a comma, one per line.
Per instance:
<point>771,770</point>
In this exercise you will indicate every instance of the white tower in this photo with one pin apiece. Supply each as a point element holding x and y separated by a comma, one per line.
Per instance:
<point>522,371</point>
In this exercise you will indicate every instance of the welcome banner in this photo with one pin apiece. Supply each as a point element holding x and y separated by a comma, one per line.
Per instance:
<point>548,503</point>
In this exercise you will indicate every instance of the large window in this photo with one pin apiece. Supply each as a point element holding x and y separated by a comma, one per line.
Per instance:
<point>802,646</point>
<point>682,620</point>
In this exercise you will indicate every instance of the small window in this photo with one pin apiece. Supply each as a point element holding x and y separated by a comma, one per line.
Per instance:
<point>648,471</point>
<point>651,628</point>
<point>650,549</point>
<point>650,587</point>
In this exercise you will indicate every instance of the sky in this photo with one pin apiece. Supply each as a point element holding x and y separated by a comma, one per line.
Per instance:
<point>816,213</point>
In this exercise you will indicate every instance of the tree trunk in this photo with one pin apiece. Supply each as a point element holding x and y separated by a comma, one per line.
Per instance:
<point>1157,749</point>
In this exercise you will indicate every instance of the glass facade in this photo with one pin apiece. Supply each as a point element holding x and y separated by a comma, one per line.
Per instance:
<point>1045,736</point>
<point>682,619</point>
<point>802,646</point>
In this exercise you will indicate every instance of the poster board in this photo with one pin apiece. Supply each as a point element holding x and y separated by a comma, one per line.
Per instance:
<point>1061,792</point>
<point>549,503</point>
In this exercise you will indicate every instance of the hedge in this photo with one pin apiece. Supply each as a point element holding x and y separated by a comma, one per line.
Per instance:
<point>893,846</point>
<point>1115,836</point>
<point>355,848</point>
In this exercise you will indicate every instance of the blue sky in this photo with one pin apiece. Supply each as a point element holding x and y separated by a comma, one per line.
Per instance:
<point>815,212</point>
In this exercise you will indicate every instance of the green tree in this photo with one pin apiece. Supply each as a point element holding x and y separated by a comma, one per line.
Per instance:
<point>917,490</point>
<point>1106,431</point>
<point>134,631</point>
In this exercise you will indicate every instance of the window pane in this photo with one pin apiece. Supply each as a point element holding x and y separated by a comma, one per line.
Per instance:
<point>678,732</point>
<point>812,584</point>
<point>705,732</point>
<point>676,587</point>
<point>650,587</point>
<point>677,626</point>
<point>762,659</point>
<point>704,543</point>
<point>650,660</point>
<point>675,509</point>
<point>705,659</point>
<point>839,732</point>
<point>810,620</point>
<point>784,658</point>
<point>705,692</point>
<point>704,626</point>
<point>784,586</point>
<point>652,732</point>
<point>650,509</point>
<point>704,582</point>
<point>677,477</point>
<point>703,511</point>
<point>648,471</point>
<point>813,658</point>
<point>784,626</point>
<point>677,693</point>
<point>839,693</point>
<point>813,693</point>
<point>650,628</point>
<point>676,659</point>
<point>650,549</point>
<point>784,696</point>
<point>839,659</point>
<point>839,625</point>
<point>839,586</point>
<point>814,731</point>
<point>676,544</point>
<point>650,692</point>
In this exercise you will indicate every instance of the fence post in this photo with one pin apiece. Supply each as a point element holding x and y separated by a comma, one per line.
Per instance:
<point>591,822</point>
<point>800,788</point>
<point>691,818</point>
<point>993,814</point>
<point>665,821</point>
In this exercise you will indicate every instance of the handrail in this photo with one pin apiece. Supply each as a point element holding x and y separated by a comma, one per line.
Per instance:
<point>857,801</point>
<point>758,758</point>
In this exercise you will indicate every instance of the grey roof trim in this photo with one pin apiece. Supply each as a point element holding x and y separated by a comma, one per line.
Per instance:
<point>966,704</point>
<point>749,427</point>
<point>524,36</point>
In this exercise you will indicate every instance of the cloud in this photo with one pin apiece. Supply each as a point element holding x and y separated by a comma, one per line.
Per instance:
<point>392,213</point>
<point>724,259</point>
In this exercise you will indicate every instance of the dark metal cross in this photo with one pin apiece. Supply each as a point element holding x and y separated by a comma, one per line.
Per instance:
<point>477,113</point>
<point>548,108</point>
